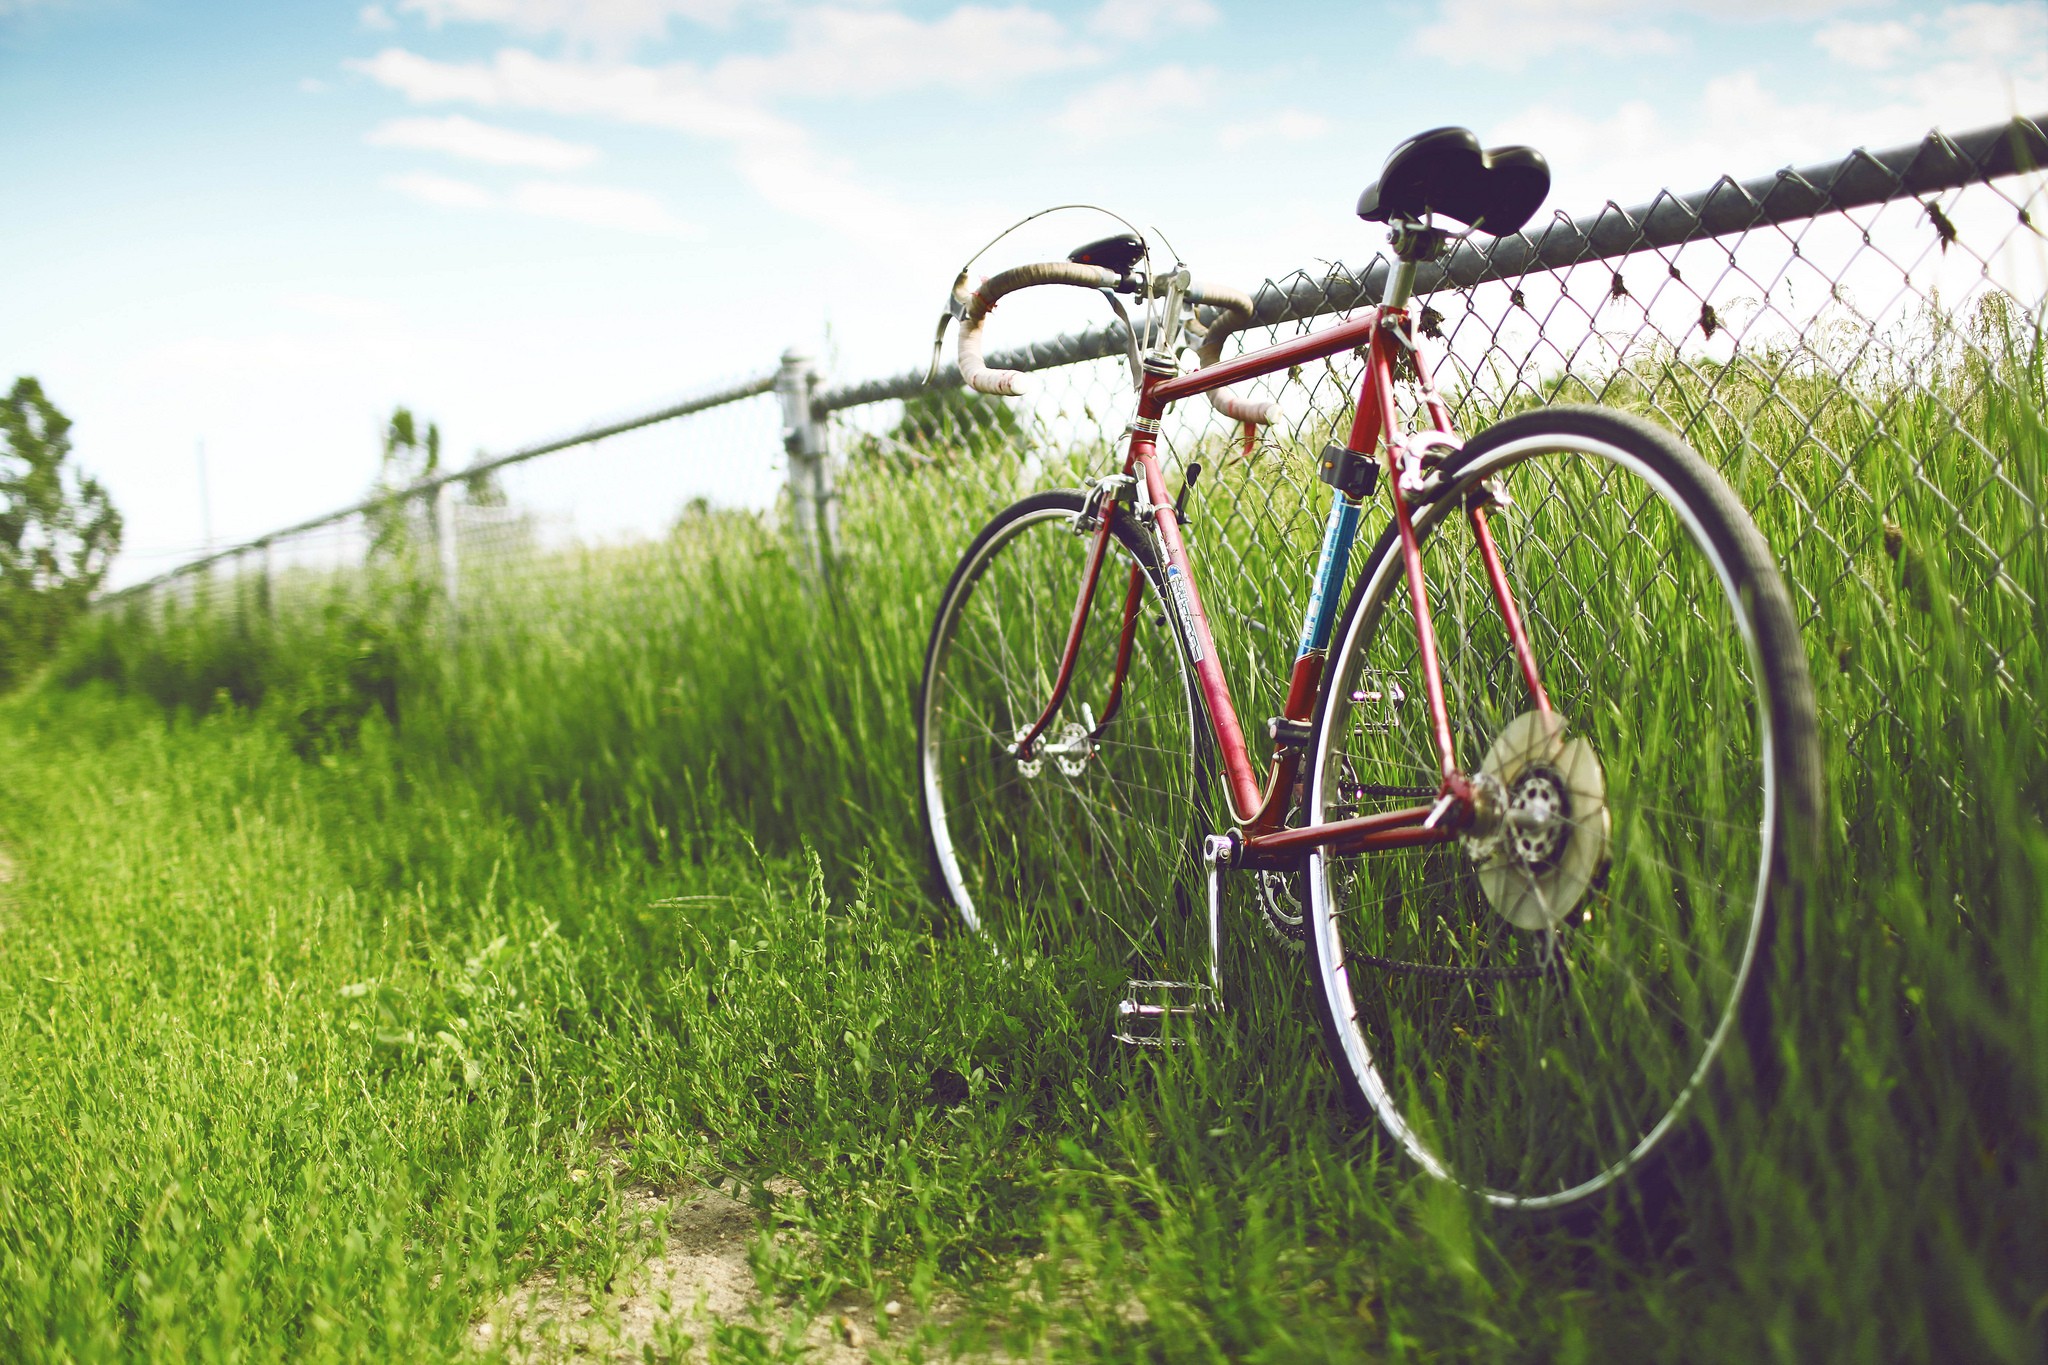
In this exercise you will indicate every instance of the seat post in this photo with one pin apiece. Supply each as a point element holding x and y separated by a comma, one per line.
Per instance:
<point>1400,285</point>
<point>1413,244</point>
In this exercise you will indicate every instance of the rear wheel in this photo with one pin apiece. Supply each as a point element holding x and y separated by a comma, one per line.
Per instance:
<point>1087,844</point>
<point>1530,1009</point>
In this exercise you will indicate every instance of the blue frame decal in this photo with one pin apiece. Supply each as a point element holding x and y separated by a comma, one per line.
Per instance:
<point>1338,534</point>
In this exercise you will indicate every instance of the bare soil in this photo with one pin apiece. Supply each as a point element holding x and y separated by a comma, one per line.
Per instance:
<point>697,1278</point>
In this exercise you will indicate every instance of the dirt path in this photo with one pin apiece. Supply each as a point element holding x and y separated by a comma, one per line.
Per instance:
<point>696,1280</point>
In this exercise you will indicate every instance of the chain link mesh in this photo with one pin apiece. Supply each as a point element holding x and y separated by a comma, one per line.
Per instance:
<point>1855,346</point>
<point>1850,370</point>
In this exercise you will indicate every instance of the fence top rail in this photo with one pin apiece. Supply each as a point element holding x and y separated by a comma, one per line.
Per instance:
<point>1937,162</point>
<point>731,393</point>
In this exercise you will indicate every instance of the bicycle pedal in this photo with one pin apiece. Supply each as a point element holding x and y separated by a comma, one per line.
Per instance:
<point>1142,1014</point>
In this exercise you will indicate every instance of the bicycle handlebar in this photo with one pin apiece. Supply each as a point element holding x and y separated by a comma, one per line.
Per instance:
<point>1012,383</point>
<point>1234,311</point>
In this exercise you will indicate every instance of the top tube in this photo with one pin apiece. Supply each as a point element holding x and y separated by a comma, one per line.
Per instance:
<point>1344,336</point>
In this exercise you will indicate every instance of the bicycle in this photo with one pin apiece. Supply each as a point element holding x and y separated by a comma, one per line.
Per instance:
<point>1525,970</point>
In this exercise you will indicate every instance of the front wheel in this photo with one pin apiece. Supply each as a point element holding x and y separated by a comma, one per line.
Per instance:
<point>1530,1009</point>
<point>1085,843</point>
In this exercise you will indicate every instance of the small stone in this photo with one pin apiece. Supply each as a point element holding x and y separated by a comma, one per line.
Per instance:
<point>849,1330</point>
<point>892,1308</point>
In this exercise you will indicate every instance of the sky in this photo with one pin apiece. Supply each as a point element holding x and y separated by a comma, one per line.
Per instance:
<point>252,229</point>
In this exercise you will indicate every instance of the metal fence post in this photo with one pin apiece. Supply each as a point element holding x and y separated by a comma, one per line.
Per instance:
<point>445,536</point>
<point>807,442</point>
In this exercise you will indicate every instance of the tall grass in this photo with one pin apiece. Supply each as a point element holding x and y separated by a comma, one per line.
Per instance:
<point>620,723</point>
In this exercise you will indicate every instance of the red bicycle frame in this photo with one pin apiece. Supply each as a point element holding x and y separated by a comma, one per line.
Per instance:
<point>1259,808</point>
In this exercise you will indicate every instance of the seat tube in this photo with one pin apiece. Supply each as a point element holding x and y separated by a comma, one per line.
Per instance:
<point>1340,532</point>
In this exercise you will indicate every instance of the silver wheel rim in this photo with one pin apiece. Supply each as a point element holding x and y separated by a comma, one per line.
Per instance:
<point>1325,913</point>
<point>1082,778</point>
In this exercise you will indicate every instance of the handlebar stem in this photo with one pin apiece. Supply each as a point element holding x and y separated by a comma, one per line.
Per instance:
<point>1169,317</point>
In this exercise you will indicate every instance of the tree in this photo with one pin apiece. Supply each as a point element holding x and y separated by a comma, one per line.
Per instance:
<point>58,531</point>
<point>408,455</point>
<point>397,526</point>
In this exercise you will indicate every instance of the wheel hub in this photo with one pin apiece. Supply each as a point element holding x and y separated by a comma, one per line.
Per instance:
<point>1539,830</point>
<point>1070,747</point>
<point>1538,818</point>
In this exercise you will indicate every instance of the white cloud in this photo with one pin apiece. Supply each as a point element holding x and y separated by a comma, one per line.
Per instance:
<point>1116,107</point>
<point>337,307</point>
<point>1506,35</point>
<point>442,191</point>
<point>376,18</point>
<point>673,97</point>
<point>1996,34</point>
<point>1867,47</point>
<point>1741,128</point>
<point>1759,9</point>
<point>470,140</point>
<point>836,51</point>
<point>596,205</point>
<point>772,154</point>
<point>599,206</point>
<point>793,176</point>
<point>611,25</point>
<point>1288,125</point>
<point>1141,19</point>
<point>309,85</point>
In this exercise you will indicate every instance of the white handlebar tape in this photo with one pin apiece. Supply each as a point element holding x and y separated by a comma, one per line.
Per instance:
<point>979,377</point>
<point>1012,383</point>
<point>1235,311</point>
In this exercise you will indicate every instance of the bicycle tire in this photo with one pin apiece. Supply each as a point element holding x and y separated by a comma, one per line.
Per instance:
<point>1537,1065</point>
<point>1058,854</point>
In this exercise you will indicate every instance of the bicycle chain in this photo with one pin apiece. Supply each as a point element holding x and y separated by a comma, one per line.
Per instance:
<point>1443,973</point>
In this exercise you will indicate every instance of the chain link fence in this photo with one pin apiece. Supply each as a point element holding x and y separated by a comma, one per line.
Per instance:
<point>1858,345</point>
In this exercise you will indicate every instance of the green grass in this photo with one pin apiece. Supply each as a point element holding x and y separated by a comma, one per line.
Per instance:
<point>341,940</point>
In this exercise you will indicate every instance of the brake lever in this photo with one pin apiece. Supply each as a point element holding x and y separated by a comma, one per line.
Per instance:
<point>1130,337</point>
<point>938,348</point>
<point>956,311</point>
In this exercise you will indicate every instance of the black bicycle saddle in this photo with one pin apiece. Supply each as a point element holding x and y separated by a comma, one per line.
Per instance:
<point>1118,253</point>
<point>1445,171</point>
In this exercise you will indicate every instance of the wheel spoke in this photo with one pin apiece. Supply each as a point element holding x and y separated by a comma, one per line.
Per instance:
<point>1050,860</point>
<point>1539,1087</point>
